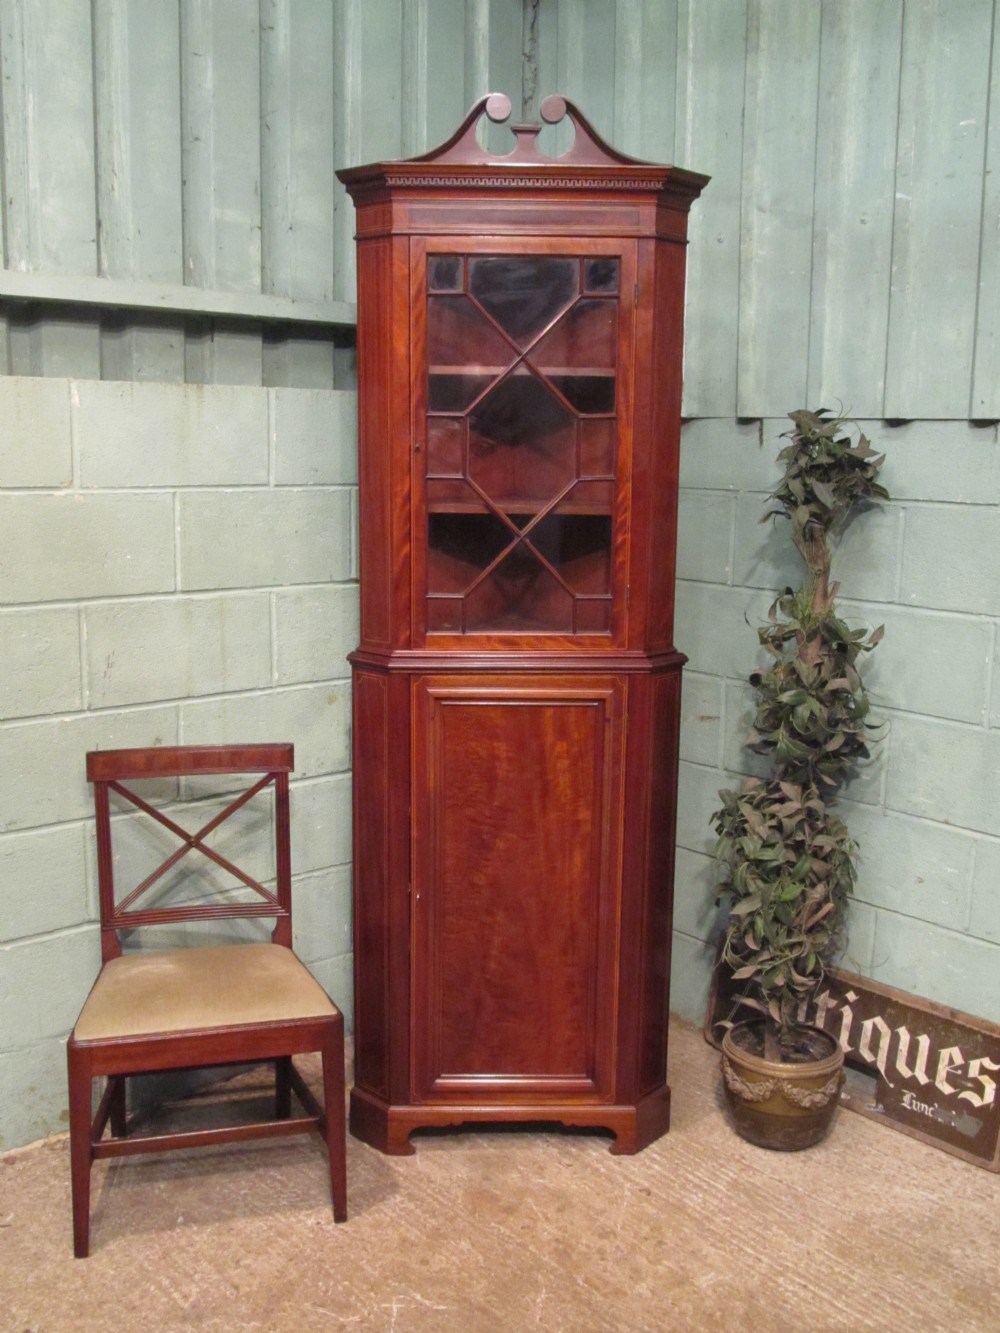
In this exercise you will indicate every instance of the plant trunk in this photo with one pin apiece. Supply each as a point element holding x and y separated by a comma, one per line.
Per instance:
<point>772,1040</point>
<point>816,557</point>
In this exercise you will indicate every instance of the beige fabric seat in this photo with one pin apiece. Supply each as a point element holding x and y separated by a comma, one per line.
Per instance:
<point>188,989</point>
<point>205,1006</point>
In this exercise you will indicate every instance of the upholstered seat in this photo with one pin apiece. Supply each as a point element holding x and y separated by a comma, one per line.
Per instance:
<point>186,989</point>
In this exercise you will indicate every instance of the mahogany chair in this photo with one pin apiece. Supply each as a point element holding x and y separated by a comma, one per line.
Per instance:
<point>186,1008</point>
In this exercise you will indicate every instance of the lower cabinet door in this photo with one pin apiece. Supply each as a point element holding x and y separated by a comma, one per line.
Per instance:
<point>515,896</point>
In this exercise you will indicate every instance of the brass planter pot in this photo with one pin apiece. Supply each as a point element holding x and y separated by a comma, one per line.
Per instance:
<point>784,1105</point>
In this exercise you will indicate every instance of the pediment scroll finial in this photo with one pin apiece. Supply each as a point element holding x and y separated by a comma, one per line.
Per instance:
<point>587,149</point>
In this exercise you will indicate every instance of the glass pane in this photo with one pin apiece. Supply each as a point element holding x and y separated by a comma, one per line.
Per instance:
<point>597,448</point>
<point>464,352</point>
<point>584,338</point>
<point>444,273</point>
<point>460,547</point>
<point>453,493</point>
<point>455,393</point>
<point>593,395</point>
<point>589,497</point>
<point>460,336</point>
<point>523,293</point>
<point>600,275</point>
<point>510,433</point>
<point>578,546</point>
<point>445,447</point>
<point>520,594</point>
<point>522,442</point>
<point>444,615</point>
<point>593,615</point>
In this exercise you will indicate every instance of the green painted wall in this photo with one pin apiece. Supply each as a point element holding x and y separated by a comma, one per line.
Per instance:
<point>845,251</point>
<point>181,153</point>
<point>178,567</point>
<point>189,145</point>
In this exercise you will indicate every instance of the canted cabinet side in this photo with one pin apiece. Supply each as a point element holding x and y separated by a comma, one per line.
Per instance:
<point>516,688</point>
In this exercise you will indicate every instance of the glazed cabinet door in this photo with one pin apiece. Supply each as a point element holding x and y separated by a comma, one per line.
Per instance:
<point>522,400</point>
<point>515,901</point>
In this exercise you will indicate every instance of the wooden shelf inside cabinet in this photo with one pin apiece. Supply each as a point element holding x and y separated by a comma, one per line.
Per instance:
<point>548,372</point>
<point>514,507</point>
<point>516,691</point>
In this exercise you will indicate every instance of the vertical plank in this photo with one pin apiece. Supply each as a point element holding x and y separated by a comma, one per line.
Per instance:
<point>223,352</point>
<point>54,340</point>
<point>300,357</point>
<point>536,22</point>
<point>985,401</point>
<point>297,182</point>
<point>645,78</point>
<point>220,89</point>
<point>17,140</point>
<point>367,40</point>
<point>433,54</point>
<point>618,63</point>
<point>49,211</point>
<point>777,205</point>
<point>942,120</point>
<point>415,54</point>
<point>855,185</point>
<point>585,67</point>
<point>506,26</point>
<point>137,119</point>
<point>476,69</point>
<point>296,148</point>
<point>710,81</point>
<point>346,144</point>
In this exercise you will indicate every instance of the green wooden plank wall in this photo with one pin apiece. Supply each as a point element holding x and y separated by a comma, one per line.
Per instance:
<point>845,252</point>
<point>190,145</point>
<point>847,248</point>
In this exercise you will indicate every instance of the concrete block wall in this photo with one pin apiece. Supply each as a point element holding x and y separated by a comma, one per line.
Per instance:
<point>926,812</point>
<point>177,564</point>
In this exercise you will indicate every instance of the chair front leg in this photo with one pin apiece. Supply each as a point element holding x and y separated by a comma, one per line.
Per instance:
<point>81,1155</point>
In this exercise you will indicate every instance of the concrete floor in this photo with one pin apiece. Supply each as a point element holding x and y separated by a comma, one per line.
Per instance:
<point>515,1230</point>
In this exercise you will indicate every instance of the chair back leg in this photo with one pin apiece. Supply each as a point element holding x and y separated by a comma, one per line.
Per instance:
<point>119,1126</point>
<point>334,1093</point>
<point>283,1087</point>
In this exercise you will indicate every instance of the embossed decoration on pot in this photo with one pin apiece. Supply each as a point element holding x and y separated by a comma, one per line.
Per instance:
<point>788,1104</point>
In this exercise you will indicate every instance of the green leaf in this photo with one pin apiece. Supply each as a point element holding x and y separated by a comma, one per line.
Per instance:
<point>793,697</point>
<point>745,906</point>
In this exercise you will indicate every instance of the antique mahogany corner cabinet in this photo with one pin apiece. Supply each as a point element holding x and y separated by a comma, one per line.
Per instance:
<point>516,689</point>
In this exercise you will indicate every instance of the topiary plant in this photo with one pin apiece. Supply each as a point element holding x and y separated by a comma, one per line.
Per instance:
<point>787,862</point>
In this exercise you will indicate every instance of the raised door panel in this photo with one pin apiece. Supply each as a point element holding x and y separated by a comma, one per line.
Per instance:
<point>522,425</point>
<point>516,887</point>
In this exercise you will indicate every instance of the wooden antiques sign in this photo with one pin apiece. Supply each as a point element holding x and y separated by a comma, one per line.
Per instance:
<point>920,1067</point>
